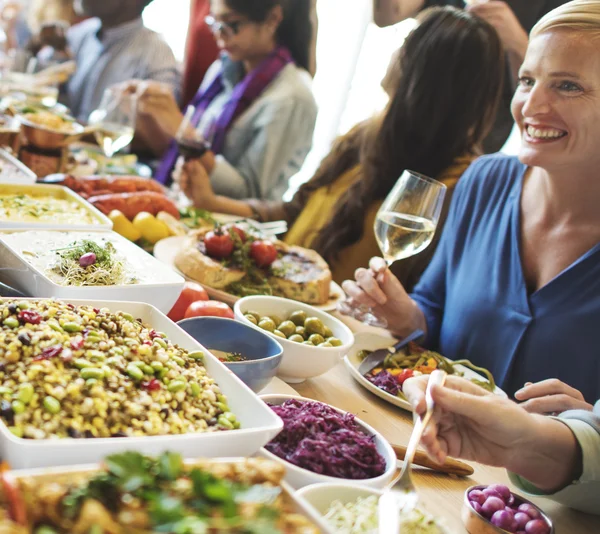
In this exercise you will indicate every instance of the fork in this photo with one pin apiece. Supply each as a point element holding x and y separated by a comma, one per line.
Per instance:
<point>272,228</point>
<point>401,493</point>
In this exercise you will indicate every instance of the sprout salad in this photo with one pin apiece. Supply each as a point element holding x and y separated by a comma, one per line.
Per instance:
<point>360,517</point>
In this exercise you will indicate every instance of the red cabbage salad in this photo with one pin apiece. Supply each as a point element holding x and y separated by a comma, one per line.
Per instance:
<point>319,439</point>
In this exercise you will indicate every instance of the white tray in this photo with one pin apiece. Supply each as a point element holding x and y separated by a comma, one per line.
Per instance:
<point>22,275</point>
<point>301,506</point>
<point>259,424</point>
<point>102,222</point>
<point>369,341</point>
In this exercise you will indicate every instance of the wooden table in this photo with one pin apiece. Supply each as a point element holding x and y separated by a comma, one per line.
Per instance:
<point>441,494</point>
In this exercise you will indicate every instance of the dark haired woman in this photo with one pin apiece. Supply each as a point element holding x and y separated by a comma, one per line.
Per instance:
<point>444,86</point>
<point>255,106</point>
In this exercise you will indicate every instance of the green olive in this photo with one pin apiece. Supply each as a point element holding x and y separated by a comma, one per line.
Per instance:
<point>327,332</point>
<point>280,334</point>
<point>298,318</point>
<point>316,339</point>
<point>275,319</point>
<point>251,318</point>
<point>296,338</point>
<point>301,331</point>
<point>267,324</point>
<point>314,326</point>
<point>288,328</point>
<point>255,315</point>
<point>334,341</point>
<point>325,344</point>
<point>308,343</point>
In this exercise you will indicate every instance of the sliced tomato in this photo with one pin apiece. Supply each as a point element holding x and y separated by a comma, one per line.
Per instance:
<point>238,231</point>
<point>209,308</point>
<point>191,292</point>
<point>16,503</point>
<point>404,376</point>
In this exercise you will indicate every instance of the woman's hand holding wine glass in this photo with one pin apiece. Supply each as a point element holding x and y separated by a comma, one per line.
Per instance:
<point>377,290</point>
<point>404,226</point>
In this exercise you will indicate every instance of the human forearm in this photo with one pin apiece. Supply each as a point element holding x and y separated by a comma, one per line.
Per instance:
<point>516,55</point>
<point>231,206</point>
<point>552,461</point>
<point>390,12</point>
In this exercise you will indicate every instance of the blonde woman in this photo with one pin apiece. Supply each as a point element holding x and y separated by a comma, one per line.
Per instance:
<point>514,285</point>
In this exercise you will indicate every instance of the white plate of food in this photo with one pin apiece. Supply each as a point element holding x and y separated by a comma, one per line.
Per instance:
<point>366,341</point>
<point>167,251</point>
<point>124,377</point>
<point>48,206</point>
<point>251,489</point>
<point>82,264</point>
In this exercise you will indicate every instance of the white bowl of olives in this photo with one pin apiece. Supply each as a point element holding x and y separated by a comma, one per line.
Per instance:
<point>313,341</point>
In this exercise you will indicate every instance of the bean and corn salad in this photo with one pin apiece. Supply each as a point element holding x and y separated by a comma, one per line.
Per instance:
<point>84,372</point>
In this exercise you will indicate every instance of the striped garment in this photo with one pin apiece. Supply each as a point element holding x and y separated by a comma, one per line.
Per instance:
<point>108,56</point>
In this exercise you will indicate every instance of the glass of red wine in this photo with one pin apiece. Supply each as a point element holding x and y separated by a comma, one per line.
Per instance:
<point>191,145</point>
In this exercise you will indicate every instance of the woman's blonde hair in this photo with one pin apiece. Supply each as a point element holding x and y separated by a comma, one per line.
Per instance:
<point>578,15</point>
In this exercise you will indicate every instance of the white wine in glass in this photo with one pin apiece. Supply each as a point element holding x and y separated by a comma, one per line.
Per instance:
<point>404,226</point>
<point>400,235</point>
<point>114,121</point>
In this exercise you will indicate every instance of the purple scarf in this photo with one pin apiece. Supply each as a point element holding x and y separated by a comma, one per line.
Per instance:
<point>244,94</point>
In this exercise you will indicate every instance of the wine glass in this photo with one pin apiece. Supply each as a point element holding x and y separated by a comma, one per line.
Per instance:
<point>114,121</point>
<point>191,145</point>
<point>404,226</point>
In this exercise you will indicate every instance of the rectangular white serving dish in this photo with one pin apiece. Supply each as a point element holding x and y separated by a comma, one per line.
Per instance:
<point>28,177</point>
<point>300,505</point>
<point>259,424</point>
<point>21,274</point>
<point>102,222</point>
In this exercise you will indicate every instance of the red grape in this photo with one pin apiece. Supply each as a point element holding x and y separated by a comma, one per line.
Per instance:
<point>530,510</point>
<point>537,526</point>
<point>522,519</point>
<point>492,505</point>
<point>477,496</point>
<point>504,520</point>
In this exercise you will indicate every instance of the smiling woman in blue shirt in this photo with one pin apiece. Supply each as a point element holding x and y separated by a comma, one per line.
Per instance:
<point>515,282</point>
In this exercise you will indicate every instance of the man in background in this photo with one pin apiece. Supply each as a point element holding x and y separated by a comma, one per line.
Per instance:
<point>513,20</point>
<point>111,47</point>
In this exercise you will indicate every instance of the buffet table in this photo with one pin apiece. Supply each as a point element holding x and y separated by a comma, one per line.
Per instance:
<point>441,494</point>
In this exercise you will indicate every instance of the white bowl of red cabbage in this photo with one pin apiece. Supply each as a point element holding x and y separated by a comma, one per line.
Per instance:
<point>320,443</point>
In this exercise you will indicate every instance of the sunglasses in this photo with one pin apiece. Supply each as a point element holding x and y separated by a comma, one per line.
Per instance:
<point>226,27</point>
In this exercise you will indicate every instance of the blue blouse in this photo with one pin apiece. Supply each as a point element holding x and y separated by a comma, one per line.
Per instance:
<point>475,299</point>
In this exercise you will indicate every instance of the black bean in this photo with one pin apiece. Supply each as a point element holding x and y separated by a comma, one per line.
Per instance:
<point>88,434</point>
<point>74,433</point>
<point>24,338</point>
<point>165,412</point>
<point>7,412</point>
<point>119,435</point>
<point>12,308</point>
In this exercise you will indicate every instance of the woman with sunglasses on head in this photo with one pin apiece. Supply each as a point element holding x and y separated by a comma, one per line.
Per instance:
<point>437,116</point>
<point>255,107</point>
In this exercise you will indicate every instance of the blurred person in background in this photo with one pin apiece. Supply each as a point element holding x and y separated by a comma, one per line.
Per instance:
<point>113,46</point>
<point>436,130</point>
<point>255,107</point>
<point>512,19</point>
<point>201,50</point>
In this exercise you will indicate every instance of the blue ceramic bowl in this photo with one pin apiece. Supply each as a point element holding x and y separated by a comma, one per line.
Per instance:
<point>263,354</point>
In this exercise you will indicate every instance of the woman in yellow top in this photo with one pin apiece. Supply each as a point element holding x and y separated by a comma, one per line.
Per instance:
<point>444,86</point>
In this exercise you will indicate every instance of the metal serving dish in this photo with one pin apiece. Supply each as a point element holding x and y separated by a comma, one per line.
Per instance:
<point>45,138</point>
<point>477,524</point>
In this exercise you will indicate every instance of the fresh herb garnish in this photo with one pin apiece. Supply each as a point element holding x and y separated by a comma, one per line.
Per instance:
<point>194,217</point>
<point>105,271</point>
<point>177,500</point>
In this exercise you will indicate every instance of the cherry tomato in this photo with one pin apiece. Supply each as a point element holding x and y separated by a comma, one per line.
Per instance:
<point>404,376</point>
<point>191,293</point>
<point>218,244</point>
<point>209,308</point>
<point>263,253</point>
<point>238,231</point>
<point>16,503</point>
